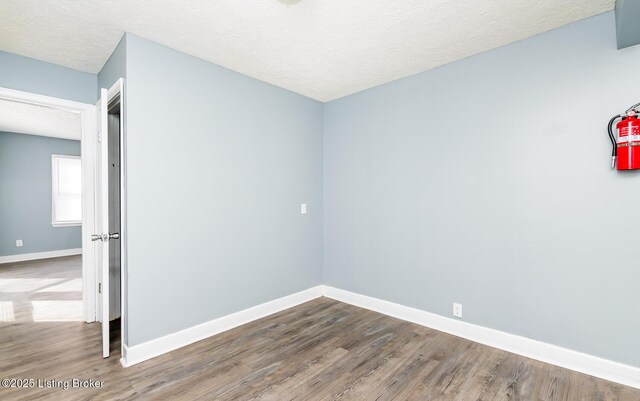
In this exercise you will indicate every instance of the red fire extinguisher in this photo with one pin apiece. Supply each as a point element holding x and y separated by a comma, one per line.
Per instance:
<point>626,144</point>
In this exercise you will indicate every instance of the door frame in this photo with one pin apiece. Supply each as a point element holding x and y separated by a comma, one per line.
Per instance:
<point>87,146</point>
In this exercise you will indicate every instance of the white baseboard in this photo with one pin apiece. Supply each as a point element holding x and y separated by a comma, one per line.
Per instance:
<point>566,358</point>
<point>142,352</point>
<point>39,255</point>
<point>123,359</point>
<point>574,360</point>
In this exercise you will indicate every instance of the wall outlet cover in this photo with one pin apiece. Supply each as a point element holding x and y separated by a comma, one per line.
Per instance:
<point>303,208</point>
<point>18,242</point>
<point>457,310</point>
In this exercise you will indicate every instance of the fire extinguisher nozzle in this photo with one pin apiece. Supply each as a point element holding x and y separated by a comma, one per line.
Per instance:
<point>613,162</point>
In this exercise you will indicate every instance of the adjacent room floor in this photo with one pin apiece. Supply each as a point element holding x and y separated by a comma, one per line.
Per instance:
<point>47,290</point>
<point>320,350</point>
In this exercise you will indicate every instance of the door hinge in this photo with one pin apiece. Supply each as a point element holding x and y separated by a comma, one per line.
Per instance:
<point>99,288</point>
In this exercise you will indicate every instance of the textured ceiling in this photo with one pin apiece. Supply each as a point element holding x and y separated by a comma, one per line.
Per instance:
<point>323,49</point>
<point>25,118</point>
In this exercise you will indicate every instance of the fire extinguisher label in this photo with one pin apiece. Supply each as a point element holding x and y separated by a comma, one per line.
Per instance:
<point>626,135</point>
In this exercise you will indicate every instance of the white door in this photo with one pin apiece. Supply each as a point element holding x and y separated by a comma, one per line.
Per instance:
<point>108,199</point>
<point>101,237</point>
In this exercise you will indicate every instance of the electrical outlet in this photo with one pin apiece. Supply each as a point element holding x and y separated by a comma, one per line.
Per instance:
<point>303,208</point>
<point>457,310</point>
<point>18,242</point>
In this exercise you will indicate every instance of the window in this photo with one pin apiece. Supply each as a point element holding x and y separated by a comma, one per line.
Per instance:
<point>67,190</point>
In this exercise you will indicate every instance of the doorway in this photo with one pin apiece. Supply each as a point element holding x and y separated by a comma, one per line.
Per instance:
<point>103,207</point>
<point>49,275</point>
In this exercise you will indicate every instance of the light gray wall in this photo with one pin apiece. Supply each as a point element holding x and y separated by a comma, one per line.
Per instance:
<point>30,75</point>
<point>217,166</point>
<point>25,194</point>
<point>487,182</point>
<point>115,67</point>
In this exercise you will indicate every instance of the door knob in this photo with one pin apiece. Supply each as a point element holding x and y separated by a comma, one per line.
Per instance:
<point>104,237</point>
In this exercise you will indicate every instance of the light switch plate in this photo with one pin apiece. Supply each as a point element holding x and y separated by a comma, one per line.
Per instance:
<point>303,208</point>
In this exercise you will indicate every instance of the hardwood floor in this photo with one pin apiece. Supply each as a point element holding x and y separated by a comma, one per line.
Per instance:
<point>46,290</point>
<point>321,350</point>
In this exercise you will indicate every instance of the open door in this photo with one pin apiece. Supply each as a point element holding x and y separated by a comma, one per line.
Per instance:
<point>102,217</point>
<point>109,179</point>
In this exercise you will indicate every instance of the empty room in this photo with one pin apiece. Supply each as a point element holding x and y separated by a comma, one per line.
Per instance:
<point>320,200</point>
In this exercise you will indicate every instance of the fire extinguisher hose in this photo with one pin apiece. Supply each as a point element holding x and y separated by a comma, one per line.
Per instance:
<point>614,148</point>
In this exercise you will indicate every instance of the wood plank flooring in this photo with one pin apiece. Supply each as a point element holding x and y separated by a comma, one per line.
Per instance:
<point>320,350</point>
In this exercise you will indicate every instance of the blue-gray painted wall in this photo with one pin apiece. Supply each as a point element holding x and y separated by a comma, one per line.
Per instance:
<point>487,182</point>
<point>115,67</point>
<point>25,194</point>
<point>35,76</point>
<point>217,166</point>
